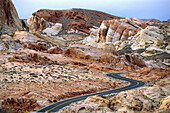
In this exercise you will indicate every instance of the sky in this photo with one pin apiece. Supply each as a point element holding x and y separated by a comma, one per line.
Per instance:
<point>143,9</point>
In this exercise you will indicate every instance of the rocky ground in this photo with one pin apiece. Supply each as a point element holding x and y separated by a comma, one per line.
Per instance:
<point>44,84</point>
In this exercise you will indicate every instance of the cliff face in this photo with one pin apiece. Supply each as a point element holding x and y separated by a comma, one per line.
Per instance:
<point>72,19</point>
<point>8,16</point>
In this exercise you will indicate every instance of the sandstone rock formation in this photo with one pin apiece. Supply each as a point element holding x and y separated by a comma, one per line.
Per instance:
<point>151,36</point>
<point>152,43</point>
<point>9,20</point>
<point>71,19</point>
<point>117,29</point>
<point>37,24</point>
<point>109,56</point>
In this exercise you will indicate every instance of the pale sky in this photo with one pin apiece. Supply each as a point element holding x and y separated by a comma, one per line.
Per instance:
<point>144,9</point>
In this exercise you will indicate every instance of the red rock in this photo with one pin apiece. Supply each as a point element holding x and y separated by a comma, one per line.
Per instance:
<point>77,19</point>
<point>31,56</point>
<point>109,58</point>
<point>75,53</point>
<point>149,74</point>
<point>55,50</point>
<point>38,46</point>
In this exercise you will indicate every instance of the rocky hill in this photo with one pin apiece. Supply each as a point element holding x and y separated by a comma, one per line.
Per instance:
<point>72,19</point>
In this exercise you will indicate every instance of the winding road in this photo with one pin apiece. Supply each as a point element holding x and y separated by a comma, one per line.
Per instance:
<point>60,104</point>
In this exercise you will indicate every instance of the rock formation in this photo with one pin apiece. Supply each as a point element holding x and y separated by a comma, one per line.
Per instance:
<point>39,46</point>
<point>37,24</point>
<point>149,74</point>
<point>143,99</point>
<point>31,56</point>
<point>75,53</point>
<point>9,20</point>
<point>119,29</point>
<point>151,36</point>
<point>55,50</point>
<point>71,19</point>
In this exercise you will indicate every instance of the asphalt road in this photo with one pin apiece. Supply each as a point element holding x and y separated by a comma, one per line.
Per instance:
<point>60,104</point>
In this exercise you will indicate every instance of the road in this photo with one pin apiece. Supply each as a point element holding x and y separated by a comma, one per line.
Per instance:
<point>60,104</point>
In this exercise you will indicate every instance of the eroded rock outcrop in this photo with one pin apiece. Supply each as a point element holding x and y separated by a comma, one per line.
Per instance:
<point>55,50</point>
<point>37,24</point>
<point>149,74</point>
<point>31,56</point>
<point>118,29</point>
<point>9,20</point>
<point>75,53</point>
<point>153,36</point>
<point>39,46</point>
<point>72,19</point>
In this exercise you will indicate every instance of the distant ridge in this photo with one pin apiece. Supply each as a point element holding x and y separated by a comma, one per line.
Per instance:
<point>75,18</point>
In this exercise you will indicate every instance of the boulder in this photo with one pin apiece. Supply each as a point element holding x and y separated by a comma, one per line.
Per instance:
<point>54,30</point>
<point>6,37</point>
<point>88,40</point>
<point>97,100</point>
<point>165,103</point>
<point>119,45</point>
<point>55,50</point>
<point>75,53</point>
<point>109,58</point>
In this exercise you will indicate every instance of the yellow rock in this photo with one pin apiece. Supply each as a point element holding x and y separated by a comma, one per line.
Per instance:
<point>165,103</point>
